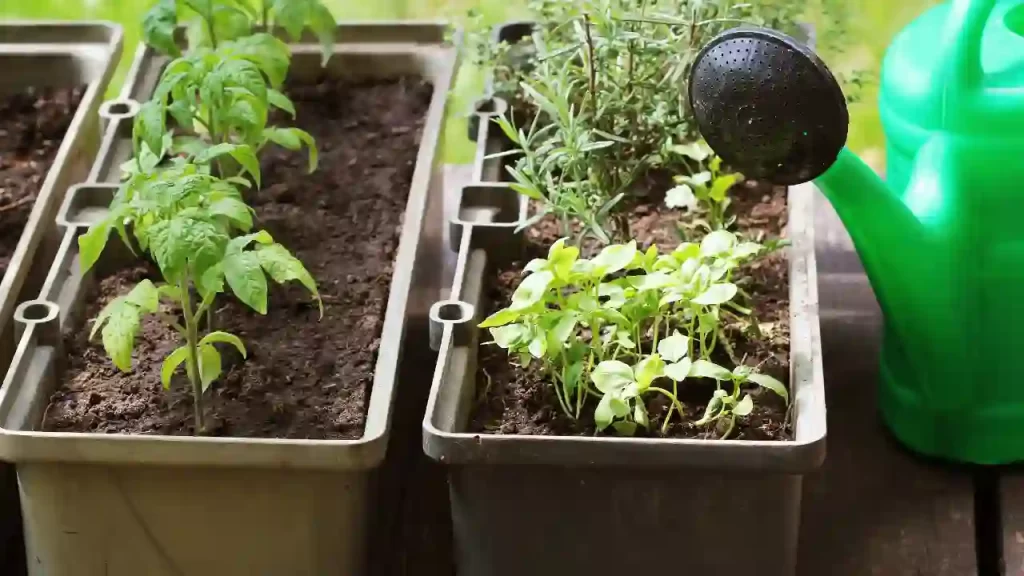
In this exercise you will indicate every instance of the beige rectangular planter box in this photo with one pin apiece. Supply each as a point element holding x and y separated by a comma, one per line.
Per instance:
<point>132,505</point>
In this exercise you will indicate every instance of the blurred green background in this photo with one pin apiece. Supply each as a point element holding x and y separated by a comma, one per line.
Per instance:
<point>868,27</point>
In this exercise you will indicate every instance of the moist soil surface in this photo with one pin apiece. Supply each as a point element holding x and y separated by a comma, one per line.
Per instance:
<point>32,126</point>
<point>303,378</point>
<point>513,400</point>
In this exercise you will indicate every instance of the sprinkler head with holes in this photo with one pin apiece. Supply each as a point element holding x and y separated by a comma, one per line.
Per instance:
<point>941,240</point>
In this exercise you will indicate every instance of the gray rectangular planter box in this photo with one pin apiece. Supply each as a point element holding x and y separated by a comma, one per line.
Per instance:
<point>57,55</point>
<point>611,505</point>
<point>130,505</point>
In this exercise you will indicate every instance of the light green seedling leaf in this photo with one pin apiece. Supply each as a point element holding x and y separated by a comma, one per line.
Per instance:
<point>283,267</point>
<point>716,294</point>
<point>615,294</point>
<point>679,370</point>
<point>648,370</point>
<point>746,249</point>
<point>531,290</point>
<point>538,345</point>
<point>508,336</point>
<point>209,365</point>
<point>92,243</point>
<point>603,414</point>
<point>698,151</point>
<point>561,259</point>
<point>766,381</point>
<point>564,328</point>
<point>612,376</point>
<point>722,185</point>
<point>119,320</point>
<point>674,347</point>
<point>706,369</point>
<point>640,414</point>
<point>245,276</point>
<point>226,338</point>
<point>235,210</point>
<point>744,407</point>
<point>245,156</point>
<point>500,318</point>
<point>149,126</point>
<point>681,197</point>
<point>615,257</point>
<point>170,365</point>
<point>571,378</point>
<point>145,296</point>
<point>714,408</point>
<point>717,243</point>
<point>625,428</point>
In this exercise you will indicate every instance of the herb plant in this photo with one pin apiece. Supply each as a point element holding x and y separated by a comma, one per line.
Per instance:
<point>627,325</point>
<point>187,221</point>
<point>703,193</point>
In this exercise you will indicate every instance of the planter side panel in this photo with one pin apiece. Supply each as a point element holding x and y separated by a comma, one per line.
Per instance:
<point>510,521</point>
<point>82,519</point>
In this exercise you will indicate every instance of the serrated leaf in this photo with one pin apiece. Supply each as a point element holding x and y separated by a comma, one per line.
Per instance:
<point>158,27</point>
<point>149,126</point>
<point>612,376</point>
<point>766,381</point>
<point>674,347</point>
<point>282,267</point>
<point>280,101</point>
<point>269,54</point>
<point>744,407</point>
<point>121,324</point>
<point>235,210</point>
<point>293,139</point>
<point>144,296</point>
<point>209,365</point>
<point>170,365</point>
<point>245,276</point>
<point>679,371</point>
<point>245,156</point>
<point>716,294</point>
<point>706,369</point>
<point>226,338</point>
<point>176,242</point>
<point>322,23</point>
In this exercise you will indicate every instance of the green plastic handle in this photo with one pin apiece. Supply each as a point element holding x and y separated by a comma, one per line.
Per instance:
<point>961,45</point>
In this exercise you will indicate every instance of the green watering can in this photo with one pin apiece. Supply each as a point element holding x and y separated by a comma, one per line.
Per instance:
<point>943,241</point>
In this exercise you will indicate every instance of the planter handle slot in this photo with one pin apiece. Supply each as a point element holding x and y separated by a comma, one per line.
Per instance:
<point>485,109</point>
<point>42,317</point>
<point>454,313</point>
<point>120,109</point>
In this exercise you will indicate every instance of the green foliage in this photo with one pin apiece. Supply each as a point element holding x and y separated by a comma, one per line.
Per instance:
<point>702,192</point>
<point>629,324</point>
<point>212,22</point>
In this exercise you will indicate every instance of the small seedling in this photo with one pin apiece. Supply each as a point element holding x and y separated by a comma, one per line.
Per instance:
<point>185,219</point>
<point>611,327</point>
<point>703,192</point>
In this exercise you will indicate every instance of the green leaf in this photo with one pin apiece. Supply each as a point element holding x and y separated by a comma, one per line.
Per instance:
<point>269,54</point>
<point>679,371</point>
<point>674,347</point>
<point>744,407</point>
<point>508,336</point>
<point>149,126</point>
<point>280,101</point>
<point>640,414</point>
<point>603,414</point>
<point>176,242</point>
<point>120,320</point>
<point>226,338</point>
<point>706,369</point>
<point>648,370</point>
<point>713,408</point>
<point>615,294</point>
<point>235,210</point>
<point>209,365</point>
<point>571,378</point>
<point>717,243</point>
<point>144,296</point>
<point>282,267</point>
<point>766,381</point>
<point>564,328</point>
<point>746,250</point>
<point>561,258</point>
<point>612,376</point>
<point>245,156</point>
<point>722,185</point>
<point>322,22</point>
<point>245,276</point>
<point>158,27</point>
<point>293,139</point>
<point>625,428</point>
<point>539,345</point>
<point>698,150</point>
<point>92,243</point>
<point>681,197</point>
<point>616,257</point>
<point>716,294</point>
<point>531,290</point>
<point>171,363</point>
<point>500,318</point>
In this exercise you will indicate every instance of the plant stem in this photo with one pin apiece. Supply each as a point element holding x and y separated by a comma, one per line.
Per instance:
<point>593,66</point>
<point>192,343</point>
<point>265,15</point>
<point>210,29</point>
<point>675,403</point>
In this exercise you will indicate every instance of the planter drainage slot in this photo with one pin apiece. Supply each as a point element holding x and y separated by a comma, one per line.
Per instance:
<point>119,109</point>
<point>450,313</point>
<point>483,111</point>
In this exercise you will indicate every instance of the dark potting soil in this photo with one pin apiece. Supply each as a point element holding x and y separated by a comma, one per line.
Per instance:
<point>517,401</point>
<point>304,378</point>
<point>32,126</point>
